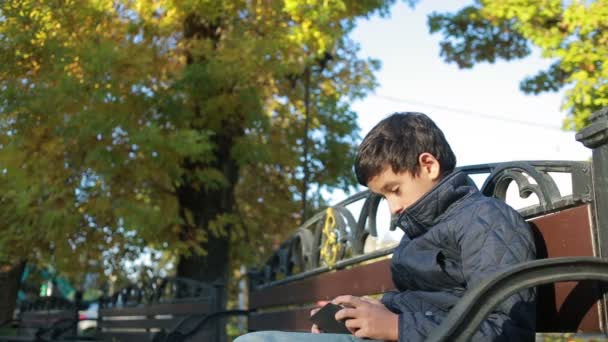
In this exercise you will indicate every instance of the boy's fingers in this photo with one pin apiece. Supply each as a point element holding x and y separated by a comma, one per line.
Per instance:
<point>346,313</point>
<point>352,325</point>
<point>320,304</point>
<point>370,300</point>
<point>348,300</point>
<point>314,329</point>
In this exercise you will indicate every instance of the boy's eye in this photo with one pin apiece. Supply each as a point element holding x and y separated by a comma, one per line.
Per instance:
<point>395,190</point>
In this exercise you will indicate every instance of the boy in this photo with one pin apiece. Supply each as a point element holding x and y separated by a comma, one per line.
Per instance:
<point>454,237</point>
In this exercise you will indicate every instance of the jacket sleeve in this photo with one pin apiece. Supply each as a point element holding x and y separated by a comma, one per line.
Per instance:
<point>486,247</point>
<point>417,316</point>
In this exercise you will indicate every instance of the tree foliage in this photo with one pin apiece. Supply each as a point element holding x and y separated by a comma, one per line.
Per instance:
<point>570,33</point>
<point>110,109</point>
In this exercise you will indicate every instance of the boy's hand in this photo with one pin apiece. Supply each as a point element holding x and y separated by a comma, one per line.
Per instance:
<point>315,329</point>
<point>368,317</point>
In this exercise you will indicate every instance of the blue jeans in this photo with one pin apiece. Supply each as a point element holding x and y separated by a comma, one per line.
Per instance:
<point>280,336</point>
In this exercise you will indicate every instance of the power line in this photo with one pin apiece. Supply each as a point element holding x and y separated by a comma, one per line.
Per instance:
<point>468,112</point>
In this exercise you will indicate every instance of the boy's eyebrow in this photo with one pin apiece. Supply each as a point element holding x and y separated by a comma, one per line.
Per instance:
<point>388,186</point>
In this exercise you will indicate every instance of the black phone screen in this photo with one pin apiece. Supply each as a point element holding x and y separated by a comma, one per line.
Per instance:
<point>326,321</point>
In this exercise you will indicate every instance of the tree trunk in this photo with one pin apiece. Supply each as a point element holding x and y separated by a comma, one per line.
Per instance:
<point>10,276</point>
<point>206,205</point>
<point>214,266</point>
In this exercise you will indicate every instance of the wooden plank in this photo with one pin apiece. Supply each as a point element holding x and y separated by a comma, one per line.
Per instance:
<point>166,323</point>
<point>18,338</point>
<point>128,336</point>
<point>47,315</point>
<point>203,336</point>
<point>568,306</point>
<point>288,320</point>
<point>44,321</point>
<point>565,233</point>
<point>359,280</point>
<point>159,309</point>
<point>36,324</point>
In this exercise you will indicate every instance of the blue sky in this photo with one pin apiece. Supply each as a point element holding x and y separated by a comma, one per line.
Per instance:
<point>484,115</point>
<point>415,78</point>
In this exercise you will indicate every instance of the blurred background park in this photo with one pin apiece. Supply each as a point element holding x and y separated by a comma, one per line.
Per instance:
<point>148,139</point>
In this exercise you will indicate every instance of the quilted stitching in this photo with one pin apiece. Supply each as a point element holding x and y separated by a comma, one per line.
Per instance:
<point>484,236</point>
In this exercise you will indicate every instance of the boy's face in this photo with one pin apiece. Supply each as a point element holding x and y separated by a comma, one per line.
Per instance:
<point>402,189</point>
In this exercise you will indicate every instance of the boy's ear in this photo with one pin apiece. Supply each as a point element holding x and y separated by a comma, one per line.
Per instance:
<point>429,166</point>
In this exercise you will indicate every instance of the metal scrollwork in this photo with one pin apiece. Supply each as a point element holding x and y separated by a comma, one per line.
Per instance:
<point>301,248</point>
<point>354,232</point>
<point>176,289</point>
<point>545,188</point>
<point>160,290</point>
<point>501,175</point>
<point>334,238</point>
<point>131,295</point>
<point>329,245</point>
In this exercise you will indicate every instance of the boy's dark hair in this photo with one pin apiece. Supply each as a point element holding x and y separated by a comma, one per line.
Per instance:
<point>397,141</point>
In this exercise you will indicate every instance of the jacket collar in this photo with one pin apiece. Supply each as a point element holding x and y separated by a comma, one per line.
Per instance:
<point>431,208</point>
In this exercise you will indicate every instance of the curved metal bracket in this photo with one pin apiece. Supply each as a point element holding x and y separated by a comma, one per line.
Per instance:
<point>545,188</point>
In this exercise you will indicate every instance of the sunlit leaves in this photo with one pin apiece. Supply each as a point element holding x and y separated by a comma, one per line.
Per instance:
<point>573,33</point>
<point>110,108</point>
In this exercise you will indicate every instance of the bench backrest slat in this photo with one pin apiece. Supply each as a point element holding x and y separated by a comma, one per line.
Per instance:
<point>287,320</point>
<point>568,306</point>
<point>156,308</point>
<point>562,306</point>
<point>359,280</point>
<point>159,309</point>
<point>47,315</point>
<point>128,336</point>
<point>149,337</point>
<point>167,323</point>
<point>565,233</point>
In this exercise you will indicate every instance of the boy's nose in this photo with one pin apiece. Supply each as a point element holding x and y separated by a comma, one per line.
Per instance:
<point>395,208</point>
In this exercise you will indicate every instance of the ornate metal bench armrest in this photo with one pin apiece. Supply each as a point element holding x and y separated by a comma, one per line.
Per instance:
<point>465,317</point>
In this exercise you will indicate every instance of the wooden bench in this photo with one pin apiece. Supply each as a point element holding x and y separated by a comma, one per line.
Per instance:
<point>307,268</point>
<point>166,309</point>
<point>46,318</point>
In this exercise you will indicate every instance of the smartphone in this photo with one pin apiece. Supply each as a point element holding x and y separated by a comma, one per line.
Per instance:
<point>326,321</point>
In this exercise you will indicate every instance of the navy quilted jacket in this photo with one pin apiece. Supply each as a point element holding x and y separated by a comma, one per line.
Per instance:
<point>454,237</point>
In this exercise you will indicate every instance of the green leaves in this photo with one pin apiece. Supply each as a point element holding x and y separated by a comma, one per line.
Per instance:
<point>129,125</point>
<point>573,34</point>
<point>470,37</point>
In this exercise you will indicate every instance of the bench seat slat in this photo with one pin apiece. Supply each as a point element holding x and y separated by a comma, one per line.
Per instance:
<point>127,336</point>
<point>139,323</point>
<point>159,309</point>
<point>146,337</point>
<point>31,338</point>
